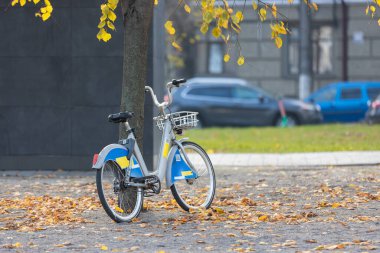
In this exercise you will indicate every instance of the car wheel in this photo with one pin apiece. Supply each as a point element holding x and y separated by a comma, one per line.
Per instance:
<point>291,121</point>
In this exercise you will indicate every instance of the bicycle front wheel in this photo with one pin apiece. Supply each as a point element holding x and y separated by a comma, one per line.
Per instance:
<point>121,203</point>
<point>199,192</point>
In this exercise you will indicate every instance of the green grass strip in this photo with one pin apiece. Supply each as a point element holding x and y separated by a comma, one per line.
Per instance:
<point>315,138</point>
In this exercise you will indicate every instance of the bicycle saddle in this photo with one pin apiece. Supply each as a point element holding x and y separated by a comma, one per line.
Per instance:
<point>120,117</point>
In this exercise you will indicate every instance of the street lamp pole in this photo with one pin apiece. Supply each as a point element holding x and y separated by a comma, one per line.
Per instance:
<point>305,52</point>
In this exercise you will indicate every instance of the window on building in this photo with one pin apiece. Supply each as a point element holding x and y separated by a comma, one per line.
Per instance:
<point>221,92</point>
<point>215,58</point>
<point>350,93</point>
<point>322,45</point>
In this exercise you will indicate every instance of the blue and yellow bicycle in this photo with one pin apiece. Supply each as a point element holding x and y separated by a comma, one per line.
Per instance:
<point>123,179</point>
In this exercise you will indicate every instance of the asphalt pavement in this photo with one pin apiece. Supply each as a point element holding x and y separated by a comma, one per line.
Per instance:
<point>261,209</point>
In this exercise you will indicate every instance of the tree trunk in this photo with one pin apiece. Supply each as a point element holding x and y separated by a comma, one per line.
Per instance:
<point>137,20</point>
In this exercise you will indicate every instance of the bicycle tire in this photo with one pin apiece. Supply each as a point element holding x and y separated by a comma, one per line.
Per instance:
<point>174,188</point>
<point>113,214</point>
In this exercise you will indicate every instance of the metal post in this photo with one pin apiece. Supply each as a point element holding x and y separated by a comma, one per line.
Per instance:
<point>344,41</point>
<point>305,75</point>
<point>158,83</point>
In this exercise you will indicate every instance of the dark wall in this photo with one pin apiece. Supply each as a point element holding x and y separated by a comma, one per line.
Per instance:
<point>58,83</point>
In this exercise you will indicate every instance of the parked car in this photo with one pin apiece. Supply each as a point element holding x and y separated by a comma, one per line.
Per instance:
<point>346,101</point>
<point>235,102</point>
<point>373,114</point>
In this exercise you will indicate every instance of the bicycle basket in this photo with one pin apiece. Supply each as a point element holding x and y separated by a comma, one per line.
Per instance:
<point>180,120</point>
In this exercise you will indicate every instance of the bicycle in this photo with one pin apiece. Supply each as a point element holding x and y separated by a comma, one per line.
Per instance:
<point>123,179</point>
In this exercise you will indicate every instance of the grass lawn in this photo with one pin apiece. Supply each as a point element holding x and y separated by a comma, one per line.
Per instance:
<point>285,140</point>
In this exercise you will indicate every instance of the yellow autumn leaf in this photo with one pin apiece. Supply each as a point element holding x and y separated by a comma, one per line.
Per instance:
<point>187,8</point>
<point>315,6</point>
<point>226,58</point>
<point>263,218</point>
<point>155,2</point>
<point>216,32</point>
<point>219,210</point>
<point>169,27</point>
<point>278,42</point>
<point>176,46</point>
<point>208,17</point>
<point>103,247</point>
<point>49,8</point>
<point>46,16</point>
<point>110,25</point>
<point>14,2</point>
<point>118,209</point>
<point>274,10</point>
<point>17,245</point>
<point>263,14</point>
<point>373,10</point>
<point>22,2</point>
<point>240,60</point>
<point>223,23</point>
<point>103,17</point>
<point>101,24</point>
<point>254,5</point>
<point>111,16</point>
<point>204,28</point>
<point>112,4</point>
<point>103,35</point>
<point>378,21</point>
<point>335,205</point>
<point>105,9</point>
<point>239,16</point>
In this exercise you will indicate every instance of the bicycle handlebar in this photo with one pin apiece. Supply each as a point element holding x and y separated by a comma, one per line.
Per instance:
<point>169,86</point>
<point>178,82</point>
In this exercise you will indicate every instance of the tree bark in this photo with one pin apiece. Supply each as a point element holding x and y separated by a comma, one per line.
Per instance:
<point>137,20</point>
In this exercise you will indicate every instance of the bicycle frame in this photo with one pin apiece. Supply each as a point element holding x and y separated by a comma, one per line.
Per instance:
<point>170,164</point>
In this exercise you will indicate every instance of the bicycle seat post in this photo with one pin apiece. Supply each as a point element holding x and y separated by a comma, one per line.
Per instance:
<point>127,126</point>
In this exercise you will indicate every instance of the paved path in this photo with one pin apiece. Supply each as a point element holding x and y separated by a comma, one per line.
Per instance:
<point>319,209</point>
<point>298,159</point>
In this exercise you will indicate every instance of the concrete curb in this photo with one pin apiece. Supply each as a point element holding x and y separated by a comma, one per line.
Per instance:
<point>350,158</point>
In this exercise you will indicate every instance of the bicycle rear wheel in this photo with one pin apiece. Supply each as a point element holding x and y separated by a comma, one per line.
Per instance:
<point>121,203</point>
<point>199,192</point>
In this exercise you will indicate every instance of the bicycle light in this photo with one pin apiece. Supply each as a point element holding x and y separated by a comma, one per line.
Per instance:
<point>95,159</point>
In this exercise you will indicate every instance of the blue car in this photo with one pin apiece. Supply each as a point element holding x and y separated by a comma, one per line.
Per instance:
<point>346,101</point>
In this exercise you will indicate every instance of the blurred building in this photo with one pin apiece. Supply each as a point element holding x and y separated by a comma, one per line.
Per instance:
<point>277,70</point>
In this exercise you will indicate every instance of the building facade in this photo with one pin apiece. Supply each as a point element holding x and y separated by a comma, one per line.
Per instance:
<point>345,42</point>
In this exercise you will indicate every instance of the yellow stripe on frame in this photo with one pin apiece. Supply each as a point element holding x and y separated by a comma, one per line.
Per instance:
<point>187,173</point>
<point>165,152</point>
<point>123,162</point>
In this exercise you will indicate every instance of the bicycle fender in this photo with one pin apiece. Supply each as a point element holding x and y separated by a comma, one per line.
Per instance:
<point>119,154</point>
<point>177,168</point>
